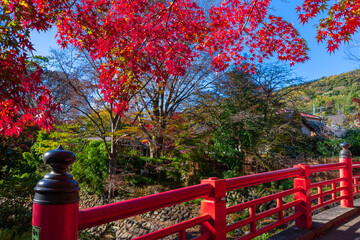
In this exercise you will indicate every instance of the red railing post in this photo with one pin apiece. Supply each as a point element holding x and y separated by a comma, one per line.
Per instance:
<point>303,181</point>
<point>346,172</point>
<point>215,206</point>
<point>56,200</point>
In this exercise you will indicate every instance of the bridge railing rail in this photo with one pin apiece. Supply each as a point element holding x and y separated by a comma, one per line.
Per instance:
<point>56,213</point>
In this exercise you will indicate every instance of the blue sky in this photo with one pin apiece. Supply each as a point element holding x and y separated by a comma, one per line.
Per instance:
<point>321,63</point>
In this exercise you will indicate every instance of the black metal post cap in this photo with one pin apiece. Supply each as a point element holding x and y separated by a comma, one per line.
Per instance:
<point>345,152</point>
<point>59,159</point>
<point>57,187</point>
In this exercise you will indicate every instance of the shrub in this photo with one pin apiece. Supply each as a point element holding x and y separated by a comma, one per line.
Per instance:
<point>353,137</point>
<point>91,167</point>
<point>18,177</point>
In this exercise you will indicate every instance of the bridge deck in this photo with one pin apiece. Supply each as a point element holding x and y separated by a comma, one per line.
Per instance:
<point>334,224</point>
<point>349,230</point>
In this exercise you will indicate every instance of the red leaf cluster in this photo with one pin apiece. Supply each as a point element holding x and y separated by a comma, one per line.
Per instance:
<point>24,99</point>
<point>340,24</point>
<point>133,38</point>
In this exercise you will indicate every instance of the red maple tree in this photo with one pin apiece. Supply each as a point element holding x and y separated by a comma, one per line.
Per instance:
<point>136,37</point>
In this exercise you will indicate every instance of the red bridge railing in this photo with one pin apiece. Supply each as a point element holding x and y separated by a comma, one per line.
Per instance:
<point>56,213</point>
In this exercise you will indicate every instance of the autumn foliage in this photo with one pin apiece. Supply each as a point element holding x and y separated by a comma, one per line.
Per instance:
<point>133,38</point>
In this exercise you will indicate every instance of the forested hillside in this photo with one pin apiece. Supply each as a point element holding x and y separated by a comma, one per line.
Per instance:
<point>330,95</point>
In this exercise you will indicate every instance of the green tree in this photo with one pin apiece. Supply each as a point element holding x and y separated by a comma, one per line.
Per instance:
<point>248,114</point>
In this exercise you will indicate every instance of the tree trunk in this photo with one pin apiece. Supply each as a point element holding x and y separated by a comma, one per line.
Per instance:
<point>112,163</point>
<point>111,176</point>
<point>156,147</point>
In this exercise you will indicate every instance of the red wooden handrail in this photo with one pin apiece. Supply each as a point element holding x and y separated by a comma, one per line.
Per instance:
<point>262,215</point>
<point>174,228</point>
<point>327,182</point>
<point>328,192</point>
<point>107,213</point>
<point>356,165</point>
<point>259,201</point>
<point>270,227</point>
<point>328,203</point>
<point>326,167</point>
<point>251,180</point>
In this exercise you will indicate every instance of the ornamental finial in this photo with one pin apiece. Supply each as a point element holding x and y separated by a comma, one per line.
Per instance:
<point>57,187</point>
<point>345,152</point>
